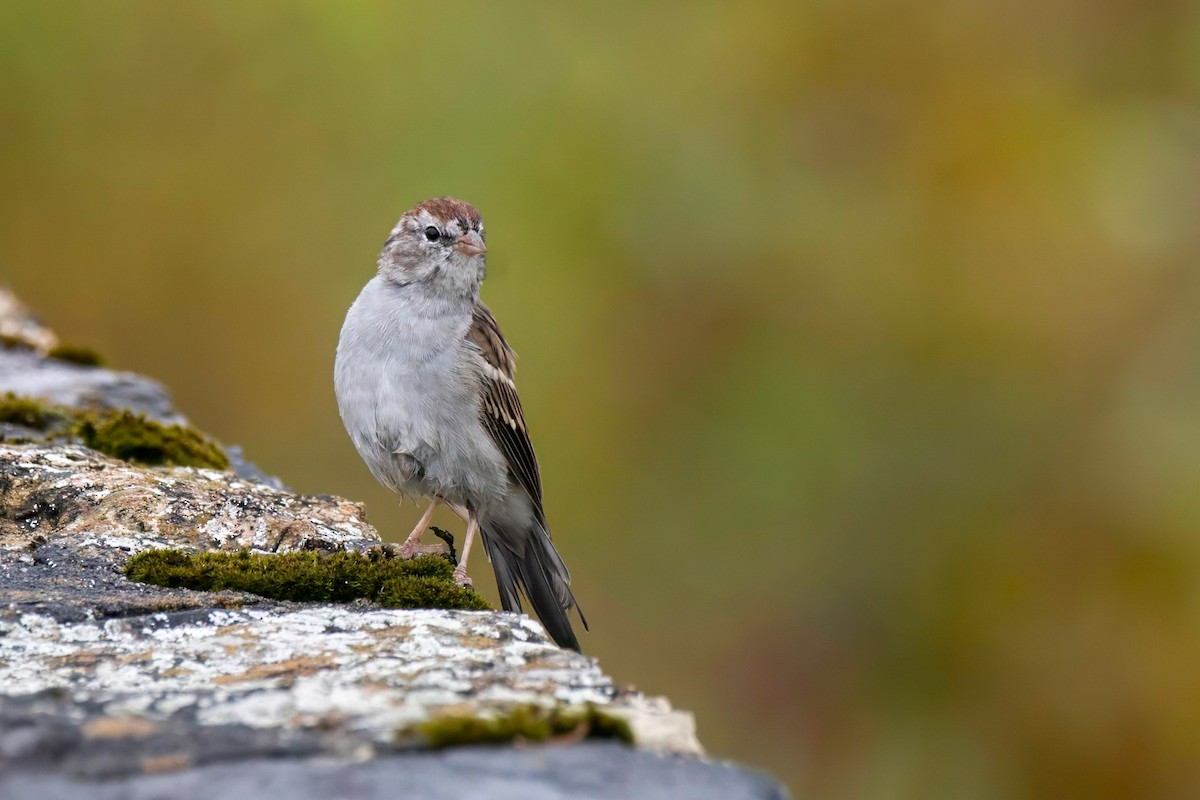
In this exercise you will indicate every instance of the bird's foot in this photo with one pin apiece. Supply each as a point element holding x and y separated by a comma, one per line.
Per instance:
<point>412,547</point>
<point>462,579</point>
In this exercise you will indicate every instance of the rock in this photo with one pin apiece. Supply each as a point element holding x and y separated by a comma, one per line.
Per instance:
<point>579,772</point>
<point>19,325</point>
<point>96,505</point>
<point>29,373</point>
<point>106,683</point>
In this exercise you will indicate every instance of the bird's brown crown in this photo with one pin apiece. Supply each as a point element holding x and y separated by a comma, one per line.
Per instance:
<point>451,208</point>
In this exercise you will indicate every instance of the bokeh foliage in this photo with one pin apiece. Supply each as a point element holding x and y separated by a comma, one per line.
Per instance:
<point>858,338</point>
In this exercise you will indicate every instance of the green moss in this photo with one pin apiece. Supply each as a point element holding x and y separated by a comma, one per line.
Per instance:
<point>32,413</point>
<point>121,434</point>
<point>132,437</point>
<point>422,582</point>
<point>14,343</point>
<point>527,722</point>
<point>74,354</point>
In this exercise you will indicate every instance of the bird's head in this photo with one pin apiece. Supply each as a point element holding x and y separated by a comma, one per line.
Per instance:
<point>439,243</point>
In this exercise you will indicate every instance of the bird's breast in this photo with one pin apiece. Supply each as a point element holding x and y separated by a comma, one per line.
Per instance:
<point>405,385</point>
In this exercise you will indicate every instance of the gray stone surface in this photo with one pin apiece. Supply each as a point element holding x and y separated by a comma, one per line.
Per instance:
<point>114,689</point>
<point>27,372</point>
<point>578,772</point>
<point>354,678</point>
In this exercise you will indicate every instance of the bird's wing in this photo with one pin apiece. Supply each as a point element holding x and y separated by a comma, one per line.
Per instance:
<point>500,408</point>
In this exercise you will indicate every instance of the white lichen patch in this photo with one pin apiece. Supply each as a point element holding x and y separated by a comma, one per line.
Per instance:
<point>108,504</point>
<point>368,673</point>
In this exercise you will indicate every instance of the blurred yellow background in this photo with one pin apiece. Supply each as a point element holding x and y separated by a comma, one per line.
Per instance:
<point>858,339</point>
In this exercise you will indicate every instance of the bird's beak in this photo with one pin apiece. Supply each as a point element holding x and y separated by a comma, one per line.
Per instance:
<point>470,244</point>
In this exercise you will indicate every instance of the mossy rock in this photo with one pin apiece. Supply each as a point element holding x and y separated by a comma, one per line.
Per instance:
<point>120,434</point>
<point>32,413</point>
<point>421,582</point>
<point>522,723</point>
<point>74,354</point>
<point>134,438</point>
<point>8,342</point>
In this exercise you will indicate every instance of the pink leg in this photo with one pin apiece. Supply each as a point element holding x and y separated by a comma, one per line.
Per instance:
<point>409,548</point>
<point>460,572</point>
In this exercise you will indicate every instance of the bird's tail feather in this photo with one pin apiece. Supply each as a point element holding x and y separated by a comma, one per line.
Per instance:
<point>539,574</point>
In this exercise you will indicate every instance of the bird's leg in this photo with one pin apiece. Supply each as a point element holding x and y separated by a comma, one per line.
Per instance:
<point>460,572</point>
<point>465,515</point>
<point>409,548</point>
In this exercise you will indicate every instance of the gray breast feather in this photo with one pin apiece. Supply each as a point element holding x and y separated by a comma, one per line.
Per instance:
<point>407,385</point>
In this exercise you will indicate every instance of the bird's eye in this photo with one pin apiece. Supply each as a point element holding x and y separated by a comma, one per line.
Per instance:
<point>432,234</point>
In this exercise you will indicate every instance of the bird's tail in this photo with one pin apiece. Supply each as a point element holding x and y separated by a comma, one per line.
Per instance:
<point>526,563</point>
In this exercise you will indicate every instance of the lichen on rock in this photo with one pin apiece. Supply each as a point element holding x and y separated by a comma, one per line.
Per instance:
<point>106,506</point>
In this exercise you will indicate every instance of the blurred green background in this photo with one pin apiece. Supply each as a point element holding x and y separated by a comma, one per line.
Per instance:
<point>858,339</point>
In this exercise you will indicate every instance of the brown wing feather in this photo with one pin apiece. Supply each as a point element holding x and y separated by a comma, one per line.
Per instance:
<point>500,407</point>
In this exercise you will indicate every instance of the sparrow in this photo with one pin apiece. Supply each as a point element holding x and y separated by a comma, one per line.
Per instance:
<point>424,385</point>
